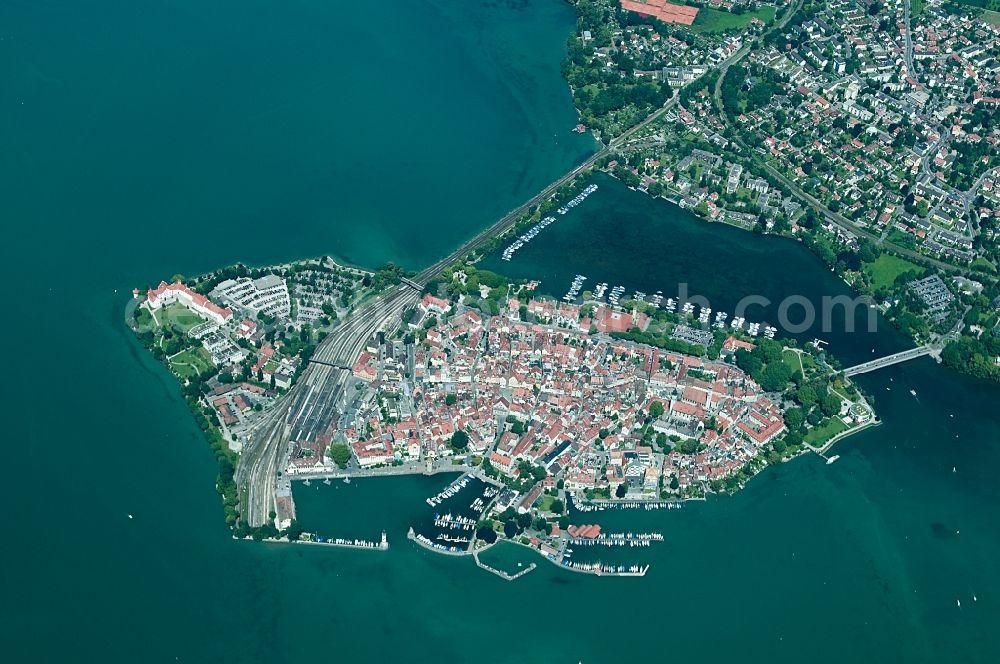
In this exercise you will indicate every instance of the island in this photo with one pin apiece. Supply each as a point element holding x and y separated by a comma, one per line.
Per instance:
<point>774,117</point>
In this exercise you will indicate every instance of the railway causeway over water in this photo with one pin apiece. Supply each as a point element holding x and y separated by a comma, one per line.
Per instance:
<point>317,396</point>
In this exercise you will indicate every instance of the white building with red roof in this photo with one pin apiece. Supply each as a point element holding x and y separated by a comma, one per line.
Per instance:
<point>166,293</point>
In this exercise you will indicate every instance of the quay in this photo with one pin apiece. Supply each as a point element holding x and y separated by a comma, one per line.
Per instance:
<point>389,471</point>
<point>648,505</point>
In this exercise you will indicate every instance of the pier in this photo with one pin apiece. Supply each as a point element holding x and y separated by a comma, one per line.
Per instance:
<point>433,546</point>
<point>382,545</point>
<point>503,575</point>
<point>599,569</point>
<point>889,360</point>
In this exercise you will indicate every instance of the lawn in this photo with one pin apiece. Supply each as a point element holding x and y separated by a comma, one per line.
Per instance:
<point>714,20</point>
<point>886,268</point>
<point>791,360</point>
<point>191,362</point>
<point>179,317</point>
<point>145,319</point>
<point>991,17</point>
<point>981,263</point>
<point>817,436</point>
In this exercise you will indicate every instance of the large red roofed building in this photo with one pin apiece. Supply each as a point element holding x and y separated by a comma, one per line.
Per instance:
<point>166,293</point>
<point>431,303</point>
<point>733,344</point>
<point>607,320</point>
<point>372,453</point>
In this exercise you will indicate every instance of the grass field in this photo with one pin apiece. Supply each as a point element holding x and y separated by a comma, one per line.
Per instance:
<point>145,319</point>
<point>886,268</point>
<point>713,20</point>
<point>991,17</point>
<point>791,360</point>
<point>179,317</point>
<point>191,362</point>
<point>981,263</point>
<point>817,436</point>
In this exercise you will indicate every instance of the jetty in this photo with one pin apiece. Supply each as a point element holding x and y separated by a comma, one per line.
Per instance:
<point>431,545</point>
<point>381,545</point>
<point>503,575</point>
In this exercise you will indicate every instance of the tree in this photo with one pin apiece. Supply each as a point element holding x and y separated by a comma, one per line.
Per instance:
<point>459,441</point>
<point>510,528</point>
<point>487,534</point>
<point>450,399</point>
<point>557,506</point>
<point>748,362</point>
<point>768,350</point>
<point>341,454</point>
<point>620,491</point>
<point>674,484</point>
<point>806,395</point>
<point>774,377</point>
<point>830,404</point>
<point>656,409</point>
<point>294,531</point>
<point>794,418</point>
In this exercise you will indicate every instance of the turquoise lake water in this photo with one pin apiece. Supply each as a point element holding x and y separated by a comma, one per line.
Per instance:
<point>139,141</point>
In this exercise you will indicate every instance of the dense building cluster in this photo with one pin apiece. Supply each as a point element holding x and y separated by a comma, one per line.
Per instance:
<point>551,394</point>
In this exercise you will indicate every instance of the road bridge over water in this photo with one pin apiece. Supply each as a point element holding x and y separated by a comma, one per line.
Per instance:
<point>889,360</point>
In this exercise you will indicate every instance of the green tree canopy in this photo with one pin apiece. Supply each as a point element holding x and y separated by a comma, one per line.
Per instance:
<point>459,441</point>
<point>341,454</point>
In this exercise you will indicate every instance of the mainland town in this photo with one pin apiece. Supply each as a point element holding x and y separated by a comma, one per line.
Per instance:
<point>863,129</point>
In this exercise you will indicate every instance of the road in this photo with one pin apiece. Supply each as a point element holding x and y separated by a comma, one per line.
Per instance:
<point>889,360</point>
<point>312,403</point>
<point>833,217</point>
<point>908,48</point>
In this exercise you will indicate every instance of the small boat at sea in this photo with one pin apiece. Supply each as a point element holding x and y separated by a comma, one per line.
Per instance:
<point>913,392</point>
<point>832,459</point>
